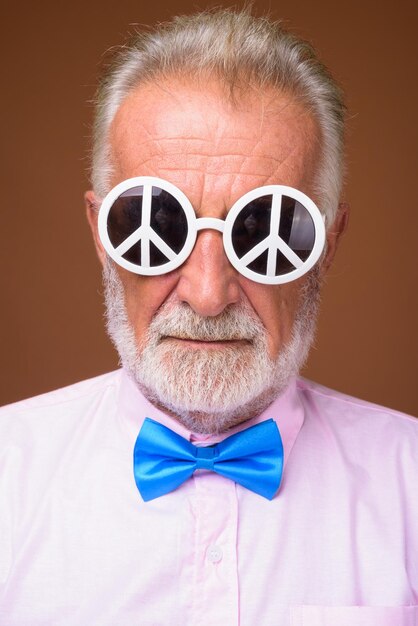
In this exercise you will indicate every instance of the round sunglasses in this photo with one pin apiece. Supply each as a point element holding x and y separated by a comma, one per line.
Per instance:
<point>272,234</point>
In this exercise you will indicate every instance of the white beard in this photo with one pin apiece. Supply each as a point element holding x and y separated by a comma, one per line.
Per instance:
<point>209,390</point>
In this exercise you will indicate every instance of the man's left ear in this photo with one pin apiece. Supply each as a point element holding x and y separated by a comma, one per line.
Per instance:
<point>334,233</point>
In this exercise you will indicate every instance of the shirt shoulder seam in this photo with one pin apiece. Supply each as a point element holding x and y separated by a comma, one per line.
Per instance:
<point>305,385</point>
<point>38,402</point>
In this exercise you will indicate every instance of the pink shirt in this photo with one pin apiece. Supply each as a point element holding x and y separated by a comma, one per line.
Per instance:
<point>337,546</point>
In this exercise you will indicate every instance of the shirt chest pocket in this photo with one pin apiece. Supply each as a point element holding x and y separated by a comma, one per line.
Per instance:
<point>354,616</point>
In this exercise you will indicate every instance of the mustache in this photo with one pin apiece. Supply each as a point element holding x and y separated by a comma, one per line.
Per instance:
<point>236,322</point>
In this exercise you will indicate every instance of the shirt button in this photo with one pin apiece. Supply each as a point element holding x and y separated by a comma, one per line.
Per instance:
<point>214,554</point>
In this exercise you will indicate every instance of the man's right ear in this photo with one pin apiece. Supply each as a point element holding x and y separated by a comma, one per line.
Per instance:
<point>92,211</point>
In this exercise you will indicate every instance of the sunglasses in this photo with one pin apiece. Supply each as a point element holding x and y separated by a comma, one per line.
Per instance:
<point>271,235</point>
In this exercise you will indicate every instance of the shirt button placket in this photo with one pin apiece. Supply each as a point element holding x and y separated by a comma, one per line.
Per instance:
<point>216,574</point>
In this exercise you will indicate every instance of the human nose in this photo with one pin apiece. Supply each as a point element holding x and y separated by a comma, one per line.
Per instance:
<point>208,282</point>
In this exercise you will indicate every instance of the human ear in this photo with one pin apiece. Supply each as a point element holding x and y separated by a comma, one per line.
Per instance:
<point>92,212</point>
<point>334,234</point>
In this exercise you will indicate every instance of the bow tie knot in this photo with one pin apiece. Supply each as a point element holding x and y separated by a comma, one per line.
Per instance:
<point>163,460</point>
<point>205,457</point>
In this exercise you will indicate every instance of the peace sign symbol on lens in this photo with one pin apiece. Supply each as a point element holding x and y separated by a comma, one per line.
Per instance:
<point>272,234</point>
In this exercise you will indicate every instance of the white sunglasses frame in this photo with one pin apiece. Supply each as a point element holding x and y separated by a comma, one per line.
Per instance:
<point>195,224</point>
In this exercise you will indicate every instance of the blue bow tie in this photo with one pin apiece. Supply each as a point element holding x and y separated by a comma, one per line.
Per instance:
<point>163,460</point>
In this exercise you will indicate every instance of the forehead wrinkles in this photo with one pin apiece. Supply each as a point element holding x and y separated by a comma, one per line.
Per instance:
<point>190,137</point>
<point>143,142</point>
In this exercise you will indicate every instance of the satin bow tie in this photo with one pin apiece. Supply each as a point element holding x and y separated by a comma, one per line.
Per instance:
<point>163,460</point>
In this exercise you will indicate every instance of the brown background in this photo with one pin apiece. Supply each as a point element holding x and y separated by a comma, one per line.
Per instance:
<point>52,330</point>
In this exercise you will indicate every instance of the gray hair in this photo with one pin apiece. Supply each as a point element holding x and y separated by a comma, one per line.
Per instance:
<point>234,46</point>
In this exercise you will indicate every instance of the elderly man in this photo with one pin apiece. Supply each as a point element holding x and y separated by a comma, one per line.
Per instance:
<point>204,483</point>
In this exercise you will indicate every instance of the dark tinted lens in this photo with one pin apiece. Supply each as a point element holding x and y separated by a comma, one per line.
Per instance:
<point>125,216</point>
<point>297,228</point>
<point>167,220</point>
<point>252,225</point>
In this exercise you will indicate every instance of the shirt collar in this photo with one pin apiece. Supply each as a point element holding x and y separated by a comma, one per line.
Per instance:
<point>286,410</point>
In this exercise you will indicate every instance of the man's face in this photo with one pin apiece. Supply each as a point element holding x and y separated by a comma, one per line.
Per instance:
<point>215,152</point>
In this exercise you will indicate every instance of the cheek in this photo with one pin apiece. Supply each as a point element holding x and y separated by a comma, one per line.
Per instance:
<point>144,295</point>
<point>276,306</point>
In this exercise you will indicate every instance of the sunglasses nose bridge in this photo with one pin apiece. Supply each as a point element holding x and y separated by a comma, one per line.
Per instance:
<point>213,223</point>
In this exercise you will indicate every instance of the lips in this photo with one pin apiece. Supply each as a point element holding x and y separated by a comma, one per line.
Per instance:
<point>217,340</point>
